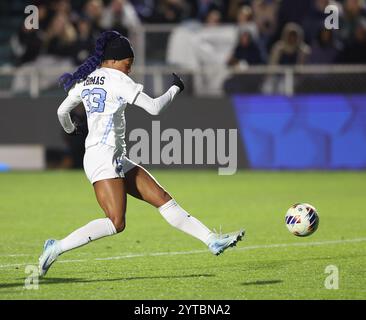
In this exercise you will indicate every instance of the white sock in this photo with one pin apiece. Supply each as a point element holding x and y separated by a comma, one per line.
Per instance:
<point>94,230</point>
<point>183,221</point>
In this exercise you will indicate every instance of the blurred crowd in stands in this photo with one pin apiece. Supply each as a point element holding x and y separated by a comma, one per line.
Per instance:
<point>233,33</point>
<point>270,31</point>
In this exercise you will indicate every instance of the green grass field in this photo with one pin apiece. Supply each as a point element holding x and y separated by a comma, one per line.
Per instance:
<point>151,260</point>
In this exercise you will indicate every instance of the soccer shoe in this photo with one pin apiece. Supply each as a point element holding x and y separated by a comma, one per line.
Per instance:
<point>51,250</point>
<point>220,242</point>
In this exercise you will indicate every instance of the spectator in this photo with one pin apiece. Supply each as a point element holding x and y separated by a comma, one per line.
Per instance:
<point>144,9</point>
<point>60,36</point>
<point>213,17</point>
<point>93,10</point>
<point>244,16</point>
<point>26,45</point>
<point>352,14</point>
<point>265,16</point>
<point>245,22</point>
<point>57,48</point>
<point>232,8</point>
<point>355,52</point>
<point>291,48</point>
<point>84,45</point>
<point>120,15</point>
<point>314,20</point>
<point>201,8</point>
<point>325,48</point>
<point>44,15</point>
<point>246,52</point>
<point>61,7</point>
<point>169,11</point>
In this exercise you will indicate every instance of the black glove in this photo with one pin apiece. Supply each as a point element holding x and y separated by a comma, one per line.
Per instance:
<point>177,81</point>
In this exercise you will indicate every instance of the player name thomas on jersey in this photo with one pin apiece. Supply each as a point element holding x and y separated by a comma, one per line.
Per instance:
<point>94,80</point>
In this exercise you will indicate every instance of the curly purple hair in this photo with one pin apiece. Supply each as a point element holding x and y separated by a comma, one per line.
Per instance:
<point>67,80</point>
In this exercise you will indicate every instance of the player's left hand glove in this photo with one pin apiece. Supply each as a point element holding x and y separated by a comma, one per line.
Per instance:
<point>177,81</point>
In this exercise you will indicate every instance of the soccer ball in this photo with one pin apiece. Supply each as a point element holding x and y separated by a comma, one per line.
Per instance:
<point>302,219</point>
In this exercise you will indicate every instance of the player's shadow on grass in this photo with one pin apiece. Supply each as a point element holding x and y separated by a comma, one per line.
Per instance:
<point>260,282</point>
<point>49,281</point>
<point>76,280</point>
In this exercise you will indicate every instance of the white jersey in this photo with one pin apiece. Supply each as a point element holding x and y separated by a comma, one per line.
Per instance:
<point>105,94</point>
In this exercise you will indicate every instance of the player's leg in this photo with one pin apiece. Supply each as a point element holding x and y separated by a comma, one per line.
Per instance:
<point>142,185</point>
<point>111,196</point>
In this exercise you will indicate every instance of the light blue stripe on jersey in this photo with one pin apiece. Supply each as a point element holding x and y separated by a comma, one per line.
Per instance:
<point>107,129</point>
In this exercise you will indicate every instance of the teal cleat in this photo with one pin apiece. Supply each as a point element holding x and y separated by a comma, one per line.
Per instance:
<point>221,242</point>
<point>51,250</point>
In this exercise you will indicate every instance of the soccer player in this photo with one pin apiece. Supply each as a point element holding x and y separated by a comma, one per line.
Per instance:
<point>103,85</point>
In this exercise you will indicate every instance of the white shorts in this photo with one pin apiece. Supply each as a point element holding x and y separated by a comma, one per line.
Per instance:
<point>100,163</point>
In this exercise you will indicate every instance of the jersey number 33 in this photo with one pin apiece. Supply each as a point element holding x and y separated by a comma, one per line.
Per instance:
<point>94,99</point>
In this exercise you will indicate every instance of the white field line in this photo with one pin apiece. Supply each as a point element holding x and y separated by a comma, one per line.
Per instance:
<point>139,255</point>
